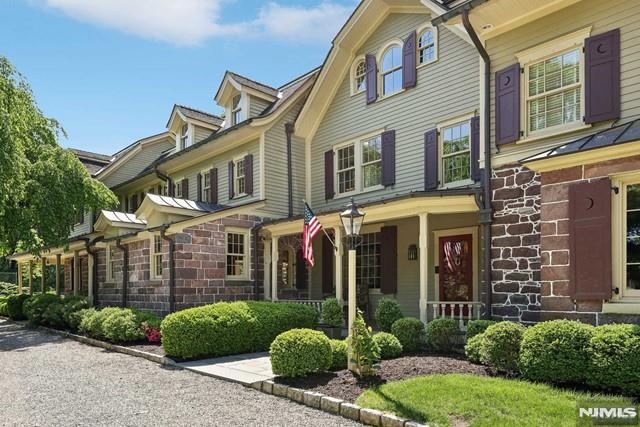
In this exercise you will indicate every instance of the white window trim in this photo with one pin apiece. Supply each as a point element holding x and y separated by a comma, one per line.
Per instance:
<point>357,153</point>
<point>152,255</point>
<point>454,121</point>
<point>245,232</point>
<point>395,42</point>
<point>239,109</point>
<point>352,73</point>
<point>236,194</point>
<point>203,187</point>
<point>436,44</point>
<point>541,52</point>
<point>178,183</point>
<point>619,247</point>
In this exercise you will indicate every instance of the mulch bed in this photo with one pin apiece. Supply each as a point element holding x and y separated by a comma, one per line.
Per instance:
<point>344,385</point>
<point>146,346</point>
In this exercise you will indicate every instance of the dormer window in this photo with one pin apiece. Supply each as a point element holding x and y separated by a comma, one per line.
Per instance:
<point>391,70</point>
<point>236,110</point>
<point>184,136</point>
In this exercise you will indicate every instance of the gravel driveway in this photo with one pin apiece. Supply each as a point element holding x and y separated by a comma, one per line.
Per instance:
<point>46,380</point>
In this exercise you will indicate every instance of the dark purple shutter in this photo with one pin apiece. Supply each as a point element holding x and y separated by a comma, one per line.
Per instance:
<point>160,190</point>
<point>508,104</point>
<point>213,186</point>
<point>199,187</point>
<point>388,158</point>
<point>590,239</point>
<point>389,259</point>
<point>126,204</point>
<point>134,203</point>
<point>248,174</point>
<point>371,78</point>
<point>475,148</point>
<point>327,266</point>
<point>185,188</point>
<point>602,77</point>
<point>230,176</point>
<point>328,175</point>
<point>301,270</point>
<point>170,188</point>
<point>409,75</point>
<point>431,160</point>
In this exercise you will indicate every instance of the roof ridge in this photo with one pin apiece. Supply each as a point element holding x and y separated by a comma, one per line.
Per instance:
<point>253,80</point>
<point>199,111</point>
<point>99,156</point>
<point>300,77</point>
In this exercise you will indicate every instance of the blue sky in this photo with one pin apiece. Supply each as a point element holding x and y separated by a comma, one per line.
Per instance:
<point>110,70</point>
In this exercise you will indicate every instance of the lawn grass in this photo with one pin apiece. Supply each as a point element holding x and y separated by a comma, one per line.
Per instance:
<point>459,399</point>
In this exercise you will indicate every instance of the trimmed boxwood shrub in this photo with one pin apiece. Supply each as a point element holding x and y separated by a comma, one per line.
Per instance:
<point>36,306</point>
<point>339,353</point>
<point>332,313</point>
<point>54,315</point>
<point>231,328</point>
<point>390,347</point>
<point>475,327</point>
<point>500,346</point>
<point>15,305</point>
<point>410,332</point>
<point>615,358</point>
<point>387,312</point>
<point>556,351</point>
<point>441,333</point>
<point>92,320</point>
<point>473,348</point>
<point>122,326</point>
<point>299,352</point>
<point>72,306</point>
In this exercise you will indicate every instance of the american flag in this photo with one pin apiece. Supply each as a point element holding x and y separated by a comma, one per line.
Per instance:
<point>311,227</point>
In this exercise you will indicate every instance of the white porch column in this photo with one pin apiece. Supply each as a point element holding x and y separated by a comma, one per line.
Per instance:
<point>337,271</point>
<point>424,263</point>
<point>274,268</point>
<point>267,269</point>
<point>90,267</point>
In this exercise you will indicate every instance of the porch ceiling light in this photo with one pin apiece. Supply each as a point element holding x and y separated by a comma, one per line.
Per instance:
<point>352,220</point>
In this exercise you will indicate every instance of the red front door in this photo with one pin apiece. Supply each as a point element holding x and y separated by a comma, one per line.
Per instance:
<point>456,270</point>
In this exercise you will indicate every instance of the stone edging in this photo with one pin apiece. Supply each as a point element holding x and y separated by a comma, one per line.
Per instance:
<point>334,406</point>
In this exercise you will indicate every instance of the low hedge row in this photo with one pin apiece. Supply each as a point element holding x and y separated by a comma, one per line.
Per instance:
<point>563,352</point>
<point>231,328</point>
<point>115,324</point>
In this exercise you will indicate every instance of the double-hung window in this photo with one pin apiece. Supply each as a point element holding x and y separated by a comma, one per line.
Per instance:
<point>236,110</point>
<point>156,257</point>
<point>237,254</point>
<point>368,262</point>
<point>178,185</point>
<point>427,46</point>
<point>359,165</point>
<point>632,244</point>
<point>391,70</point>
<point>111,263</point>
<point>239,178</point>
<point>456,153</point>
<point>554,90</point>
<point>184,136</point>
<point>206,187</point>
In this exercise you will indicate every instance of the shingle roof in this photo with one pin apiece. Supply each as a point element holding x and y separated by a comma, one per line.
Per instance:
<point>620,134</point>
<point>203,116</point>
<point>191,205</point>
<point>90,155</point>
<point>245,81</point>
<point>93,162</point>
<point>289,89</point>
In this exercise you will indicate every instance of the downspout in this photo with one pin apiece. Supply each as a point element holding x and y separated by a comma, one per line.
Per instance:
<point>254,231</point>
<point>486,213</point>
<point>172,269</point>
<point>125,270</point>
<point>94,270</point>
<point>288,129</point>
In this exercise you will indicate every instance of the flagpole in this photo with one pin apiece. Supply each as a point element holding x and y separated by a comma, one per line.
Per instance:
<point>335,248</point>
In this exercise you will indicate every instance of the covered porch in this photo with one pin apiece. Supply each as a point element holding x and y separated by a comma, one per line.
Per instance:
<point>422,251</point>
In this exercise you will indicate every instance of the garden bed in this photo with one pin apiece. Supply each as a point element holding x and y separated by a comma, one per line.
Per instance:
<point>344,385</point>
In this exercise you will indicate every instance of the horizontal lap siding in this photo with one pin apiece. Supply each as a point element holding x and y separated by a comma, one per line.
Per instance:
<point>201,133</point>
<point>276,180</point>
<point>602,16</point>
<point>445,89</point>
<point>256,106</point>
<point>138,162</point>
<point>84,228</point>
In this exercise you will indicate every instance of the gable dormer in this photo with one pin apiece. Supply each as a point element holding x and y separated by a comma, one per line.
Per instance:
<point>189,126</point>
<point>243,98</point>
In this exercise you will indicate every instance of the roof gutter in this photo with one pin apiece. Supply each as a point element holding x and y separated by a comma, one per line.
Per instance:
<point>486,212</point>
<point>457,11</point>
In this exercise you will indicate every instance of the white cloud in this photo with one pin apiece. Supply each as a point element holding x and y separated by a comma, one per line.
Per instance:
<point>189,22</point>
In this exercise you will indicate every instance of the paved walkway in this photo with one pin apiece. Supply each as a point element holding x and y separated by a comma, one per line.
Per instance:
<point>245,369</point>
<point>46,380</point>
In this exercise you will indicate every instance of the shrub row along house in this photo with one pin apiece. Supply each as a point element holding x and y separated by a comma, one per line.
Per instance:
<point>414,103</point>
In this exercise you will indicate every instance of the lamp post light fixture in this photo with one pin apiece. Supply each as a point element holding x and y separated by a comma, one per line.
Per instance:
<point>352,220</point>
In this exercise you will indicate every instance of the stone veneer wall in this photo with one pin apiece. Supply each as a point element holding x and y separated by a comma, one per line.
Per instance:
<point>84,278</point>
<point>515,244</point>
<point>556,302</point>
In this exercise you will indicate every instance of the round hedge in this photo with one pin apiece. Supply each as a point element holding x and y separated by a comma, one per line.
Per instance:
<point>332,314</point>
<point>122,326</point>
<point>390,347</point>
<point>54,315</point>
<point>441,333</point>
<point>556,351</point>
<point>15,306</point>
<point>473,348</point>
<point>299,352</point>
<point>500,346</point>
<point>410,332</point>
<point>34,308</point>
<point>92,320</point>
<point>475,327</point>
<point>72,306</point>
<point>387,312</point>
<point>339,353</point>
<point>615,358</point>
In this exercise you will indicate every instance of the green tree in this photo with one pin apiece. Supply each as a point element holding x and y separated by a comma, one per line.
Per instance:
<point>42,185</point>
